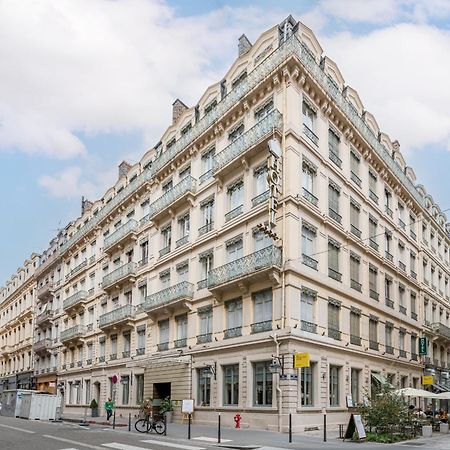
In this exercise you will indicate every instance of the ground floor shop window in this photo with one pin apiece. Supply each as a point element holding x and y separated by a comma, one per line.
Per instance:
<point>125,382</point>
<point>139,389</point>
<point>262,382</point>
<point>231,384</point>
<point>307,385</point>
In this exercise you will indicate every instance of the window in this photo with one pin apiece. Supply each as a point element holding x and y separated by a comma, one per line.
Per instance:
<point>144,253</point>
<point>183,226</point>
<point>413,304</point>
<point>234,249</point>
<point>333,259</point>
<point>139,388</point>
<point>236,132</point>
<point>401,341</point>
<point>264,110</point>
<point>101,351</point>
<point>334,386</point>
<point>205,316</point>
<point>163,326</point>
<point>261,185</point>
<point>333,147</point>
<point>373,334</point>
<point>207,164</point>
<point>309,171</point>
<point>333,201</point>
<point>141,339</point>
<point>183,271</point>
<point>207,216</point>
<point>262,306</point>
<point>125,383</point>
<point>206,264</point>
<point>233,317</point>
<point>239,79</point>
<point>143,293</point>
<point>308,243</point>
<point>261,240</point>
<point>126,345</point>
<point>307,302</point>
<point>387,291</point>
<point>236,195</point>
<point>387,202</point>
<point>373,239</point>
<point>334,307</point>
<point>354,271</point>
<point>203,388</point>
<point>262,384</point>
<point>113,346</point>
<point>354,217</point>
<point>355,375</point>
<point>181,322</point>
<point>307,385</point>
<point>354,167</point>
<point>128,297</point>
<point>185,172</point>
<point>167,186</point>
<point>309,121</point>
<point>210,106</point>
<point>373,282</point>
<point>355,326</point>
<point>373,186</point>
<point>166,235</point>
<point>388,338</point>
<point>231,384</point>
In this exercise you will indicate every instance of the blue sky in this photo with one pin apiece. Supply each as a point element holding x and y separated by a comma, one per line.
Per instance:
<point>91,82</point>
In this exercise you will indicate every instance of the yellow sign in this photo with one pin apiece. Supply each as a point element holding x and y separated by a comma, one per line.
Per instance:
<point>427,379</point>
<point>301,360</point>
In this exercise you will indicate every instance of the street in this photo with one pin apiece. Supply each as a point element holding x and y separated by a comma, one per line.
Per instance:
<point>18,434</point>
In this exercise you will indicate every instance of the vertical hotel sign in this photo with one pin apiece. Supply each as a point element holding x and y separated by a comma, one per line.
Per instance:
<point>274,179</point>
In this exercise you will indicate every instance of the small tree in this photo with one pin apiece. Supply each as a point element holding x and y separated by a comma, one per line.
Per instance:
<point>384,408</point>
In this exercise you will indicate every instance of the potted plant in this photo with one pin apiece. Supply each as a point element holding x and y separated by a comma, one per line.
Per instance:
<point>94,408</point>
<point>166,409</point>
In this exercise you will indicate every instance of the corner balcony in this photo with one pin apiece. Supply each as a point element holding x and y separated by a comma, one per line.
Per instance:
<point>121,236</point>
<point>247,144</point>
<point>120,317</point>
<point>6,349</point>
<point>442,331</point>
<point>75,300</point>
<point>262,264</point>
<point>166,300</point>
<point>43,346</point>
<point>173,198</point>
<point>123,274</point>
<point>45,292</point>
<point>73,335</point>
<point>44,319</point>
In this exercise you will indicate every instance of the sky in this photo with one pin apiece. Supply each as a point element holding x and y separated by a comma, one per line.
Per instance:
<point>85,84</point>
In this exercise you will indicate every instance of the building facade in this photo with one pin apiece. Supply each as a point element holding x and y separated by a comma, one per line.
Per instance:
<point>16,328</point>
<point>170,286</point>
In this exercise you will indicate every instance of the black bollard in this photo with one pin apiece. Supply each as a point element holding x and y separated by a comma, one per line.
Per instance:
<point>129,422</point>
<point>114,420</point>
<point>324,428</point>
<point>218,429</point>
<point>189,426</point>
<point>165,425</point>
<point>290,428</point>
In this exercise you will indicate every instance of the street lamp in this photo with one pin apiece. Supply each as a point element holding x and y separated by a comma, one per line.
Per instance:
<point>277,365</point>
<point>210,370</point>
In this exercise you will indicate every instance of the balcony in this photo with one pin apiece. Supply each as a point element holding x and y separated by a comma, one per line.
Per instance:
<point>204,338</point>
<point>77,269</point>
<point>260,327</point>
<point>402,266</point>
<point>355,231</point>
<point>389,303</point>
<point>373,243</point>
<point>310,197</point>
<point>373,345</point>
<point>414,356</point>
<point>122,274</point>
<point>232,332</point>
<point>230,215</point>
<point>355,340</point>
<point>72,335</point>
<point>206,176</point>
<point>310,135</point>
<point>182,241</point>
<point>310,262</point>
<point>45,291</point>
<point>355,179</point>
<point>140,351</point>
<point>6,349</point>
<point>206,228</point>
<point>164,251</point>
<point>413,235</point>
<point>402,309</point>
<point>389,211</point>
<point>413,274</point>
<point>332,273</point>
<point>163,346</point>
<point>356,285</point>
<point>121,236</point>
<point>260,264</point>
<point>247,145</point>
<point>374,294</point>
<point>373,196</point>
<point>172,199</point>
<point>402,224</point>
<point>261,198</point>
<point>309,327</point>
<point>43,346</point>
<point>334,215</point>
<point>75,300</point>
<point>389,256</point>
<point>389,349</point>
<point>335,158</point>
<point>180,343</point>
<point>413,316</point>
<point>119,317</point>
<point>179,295</point>
<point>402,353</point>
<point>334,334</point>
<point>43,319</point>
<point>441,330</point>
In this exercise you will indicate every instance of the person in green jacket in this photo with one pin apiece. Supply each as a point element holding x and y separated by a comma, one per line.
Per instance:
<point>109,405</point>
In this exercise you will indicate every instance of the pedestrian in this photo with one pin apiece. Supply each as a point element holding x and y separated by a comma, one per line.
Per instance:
<point>109,405</point>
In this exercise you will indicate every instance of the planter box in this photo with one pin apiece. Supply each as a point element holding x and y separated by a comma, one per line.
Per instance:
<point>427,431</point>
<point>443,428</point>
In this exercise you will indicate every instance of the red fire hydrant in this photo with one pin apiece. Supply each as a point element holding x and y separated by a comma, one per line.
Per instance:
<point>237,421</point>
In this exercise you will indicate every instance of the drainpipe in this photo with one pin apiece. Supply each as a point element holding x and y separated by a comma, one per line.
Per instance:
<point>280,398</point>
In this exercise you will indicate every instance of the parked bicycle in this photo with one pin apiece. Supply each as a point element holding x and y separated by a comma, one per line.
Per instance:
<point>150,423</point>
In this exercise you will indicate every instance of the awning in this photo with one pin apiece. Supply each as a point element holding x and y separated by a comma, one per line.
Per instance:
<point>438,388</point>
<point>412,392</point>
<point>382,380</point>
<point>443,396</point>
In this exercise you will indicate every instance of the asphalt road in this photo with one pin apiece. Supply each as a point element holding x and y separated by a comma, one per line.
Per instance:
<point>18,434</point>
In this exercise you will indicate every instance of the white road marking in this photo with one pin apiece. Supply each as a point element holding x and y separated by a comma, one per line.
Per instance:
<point>17,429</point>
<point>118,446</point>
<point>69,441</point>
<point>210,439</point>
<point>69,448</point>
<point>172,445</point>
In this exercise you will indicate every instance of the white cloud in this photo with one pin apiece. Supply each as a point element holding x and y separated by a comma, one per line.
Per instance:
<point>401,74</point>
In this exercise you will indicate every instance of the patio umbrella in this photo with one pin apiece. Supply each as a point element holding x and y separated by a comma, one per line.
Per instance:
<point>412,392</point>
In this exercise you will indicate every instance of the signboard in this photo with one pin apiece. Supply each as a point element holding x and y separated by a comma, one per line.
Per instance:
<point>427,380</point>
<point>187,406</point>
<point>355,427</point>
<point>114,379</point>
<point>349,400</point>
<point>423,347</point>
<point>274,180</point>
<point>301,360</point>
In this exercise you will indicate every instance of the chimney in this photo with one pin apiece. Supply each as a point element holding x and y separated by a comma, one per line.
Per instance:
<point>244,45</point>
<point>178,107</point>
<point>396,145</point>
<point>85,205</point>
<point>124,168</point>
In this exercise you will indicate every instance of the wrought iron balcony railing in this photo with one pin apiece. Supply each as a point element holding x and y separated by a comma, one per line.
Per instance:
<point>180,343</point>
<point>374,345</point>
<point>373,196</point>
<point>334,215</point>
<point>355,178</point>
<point>72,333</point>
<point>308,326</point>
<point>118,315</point>
<point>373,243</point>
<point>335,334</point>
<point>259,260</point>
<point>42,345</point>
<point>71,301</point>
<point>170,295</point>
<point>233,332</point>
<point>230,215</point>
<point>204,338</point>
<point>356,231</point>
<point>260,198</point>
<point>335,158</point>
<point>260,327</point>
<point>355,340</point>
<point>354,284</point>
<point>120,233</point>
<point>264,128</point>
<point>310,134</point>
<point>441,329</point>
<point>310,197</point>
<point>127,270</point>
<point>206,228</point>
<point>333,273</point>
<point>310,262</point>
<point>182,241</point>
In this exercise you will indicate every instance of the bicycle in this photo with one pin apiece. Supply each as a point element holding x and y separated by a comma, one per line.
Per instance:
<point>148,424</point>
